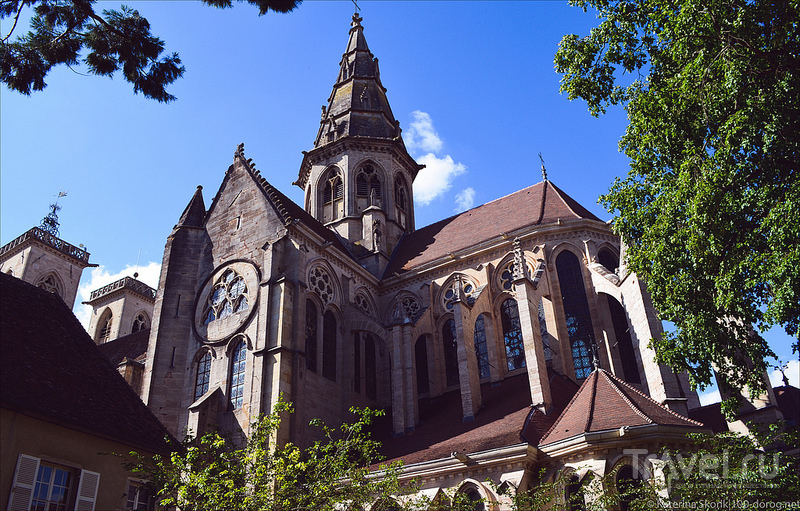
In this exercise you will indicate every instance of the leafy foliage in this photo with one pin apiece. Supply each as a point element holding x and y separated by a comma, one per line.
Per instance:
<point>63,30</point>
<point>212,472</point>
<point>710,210</point>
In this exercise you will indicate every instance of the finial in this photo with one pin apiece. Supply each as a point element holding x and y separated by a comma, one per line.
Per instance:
<point>544,170</point>
<point>595,358</point>
<point>50,222</point>
<point>782,368</point>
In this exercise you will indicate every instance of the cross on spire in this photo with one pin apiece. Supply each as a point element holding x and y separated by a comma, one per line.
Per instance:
<point>544,170</point>
<point>358,9</point>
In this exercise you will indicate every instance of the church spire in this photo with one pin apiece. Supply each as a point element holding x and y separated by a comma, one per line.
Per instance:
<point>357,106</point>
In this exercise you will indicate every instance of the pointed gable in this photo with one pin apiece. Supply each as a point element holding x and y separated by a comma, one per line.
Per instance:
<point>540,204</point>
<point>604,403</point>
<point>195,211</point>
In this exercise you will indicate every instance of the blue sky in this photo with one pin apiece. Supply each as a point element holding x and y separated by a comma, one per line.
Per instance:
<point>472,84</point>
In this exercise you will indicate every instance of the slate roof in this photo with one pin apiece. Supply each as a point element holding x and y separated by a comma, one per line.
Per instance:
<point>132,347</point>
<point>540,204</point>
<point>603,403</point>
<point>52,370</point>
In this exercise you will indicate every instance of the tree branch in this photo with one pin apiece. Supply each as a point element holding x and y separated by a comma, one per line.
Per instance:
<point>16,19</point>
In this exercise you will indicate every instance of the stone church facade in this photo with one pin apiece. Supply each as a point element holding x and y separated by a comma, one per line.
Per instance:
<point>344,302</point>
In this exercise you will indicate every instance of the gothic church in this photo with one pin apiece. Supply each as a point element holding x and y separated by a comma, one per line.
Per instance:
<point>499,340</point>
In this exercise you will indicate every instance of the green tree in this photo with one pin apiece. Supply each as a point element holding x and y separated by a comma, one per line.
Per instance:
<point>710,210</point>
<point>213,473</point>
<point>68,31</point>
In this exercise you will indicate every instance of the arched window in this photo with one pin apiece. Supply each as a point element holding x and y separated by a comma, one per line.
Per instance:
<point>608,259</point>
<point>329,346</point>
<point>573,494</point>
<point>368,187</point>
<point>622,332</point>
<point>421,362</point>
<point>236,383</point>
<point>401,201</point>
<point>548,353</point>
<point>629,484</point>
<point>370,367</point>
<point>50,283</point>
<point>311,336</point>
<point>140,322</point>
<point>228,297</point>
<point>203,376</point>
<point>474,496</point>
<point>104,327</point>
<point>576,312</point>
<point>449,341</point>
<point>332,196</point>
<point>481,351</point>
<point>512,334</point>
<point>365,343</point>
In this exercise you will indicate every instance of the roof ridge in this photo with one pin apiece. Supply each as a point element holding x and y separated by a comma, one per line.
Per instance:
<point>645,396</point>
<point>592,397</point>
<point>630,403</point>
<point>562,414</point>
<point>271,193</point>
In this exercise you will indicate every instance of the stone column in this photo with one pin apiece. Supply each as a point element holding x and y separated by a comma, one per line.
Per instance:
<point>398,397</point>
<point>468,376</point>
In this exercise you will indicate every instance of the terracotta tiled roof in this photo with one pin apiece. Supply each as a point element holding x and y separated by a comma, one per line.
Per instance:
<point>540,204</point>
<point>52,370</point>
<point>499,423</point>
<point>603,403</point>
<point>132,347</point>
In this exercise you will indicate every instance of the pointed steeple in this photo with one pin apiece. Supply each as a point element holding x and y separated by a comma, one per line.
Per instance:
<point>195,211</point>
<point>357,106</point>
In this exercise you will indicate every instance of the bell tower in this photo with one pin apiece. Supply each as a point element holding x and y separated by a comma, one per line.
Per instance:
<point>358,177</point>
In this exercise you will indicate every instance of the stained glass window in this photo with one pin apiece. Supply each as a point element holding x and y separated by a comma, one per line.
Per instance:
<point>576,313</point>
<point>203,376</point>
<point>512,335</point>
<point>481,351</point>
<point>228,297</point>
<point>238,358</point>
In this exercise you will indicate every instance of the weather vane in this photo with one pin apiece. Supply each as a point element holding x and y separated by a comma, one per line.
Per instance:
<point>544,170</point>
<point>50,222</point>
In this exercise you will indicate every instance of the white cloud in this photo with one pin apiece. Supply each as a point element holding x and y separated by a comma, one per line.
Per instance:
<point>423,142</point>
<point>421,135</point>
<point>436,178</point>
<point>465,199</point>
<point>707,398</point>
<point>99,277</point>
<point>792,373</point>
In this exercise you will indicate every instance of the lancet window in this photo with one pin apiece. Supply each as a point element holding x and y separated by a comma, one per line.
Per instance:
<point>203,376</point>
<point>512,335</point>
<point>449,340</point>
<point>576,312</point>
<point>481,351</point>
<point>236,384</point>
<point>368,187</point>
<point>332,196</point>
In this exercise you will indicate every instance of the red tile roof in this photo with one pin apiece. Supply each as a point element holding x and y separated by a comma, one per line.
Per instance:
<point>501,421</point>
<point>603,403</point>
<point>52,370</point>
<point>540,204</point>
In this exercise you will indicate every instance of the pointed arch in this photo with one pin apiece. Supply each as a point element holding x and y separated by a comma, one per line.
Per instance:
<point>104,325</point>
<point>512,335</point>
<point>331,198</point>
<point>238,367</point>
<point>141,321</point>
<point>576,312</point>
<point>369,185</point>
<point>51,282</point>
<point>450,349</point>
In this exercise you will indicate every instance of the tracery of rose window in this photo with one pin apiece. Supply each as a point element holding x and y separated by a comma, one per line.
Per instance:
<point>228,297</point>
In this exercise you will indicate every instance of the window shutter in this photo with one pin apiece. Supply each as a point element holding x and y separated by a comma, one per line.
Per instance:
<point>24,481</point>
<point>87,491</point>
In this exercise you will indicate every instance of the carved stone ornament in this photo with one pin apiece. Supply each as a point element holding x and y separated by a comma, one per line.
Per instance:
<point>227,301</point>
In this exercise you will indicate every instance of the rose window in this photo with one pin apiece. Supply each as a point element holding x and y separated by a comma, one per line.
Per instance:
<point>363,303</point>
<point>406,308</point>
<point>449,296</point>
<point>228,297</point>
<point>321,283</point>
